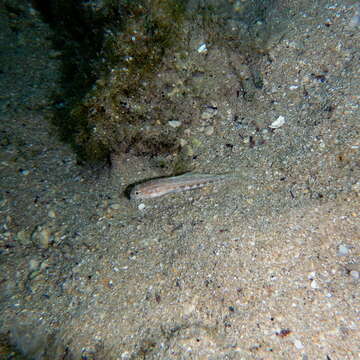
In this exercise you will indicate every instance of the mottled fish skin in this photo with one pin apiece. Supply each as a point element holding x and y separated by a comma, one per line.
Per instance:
<point>163,186</point>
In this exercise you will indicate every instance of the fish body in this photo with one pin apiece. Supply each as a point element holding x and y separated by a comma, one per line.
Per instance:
<point>163,186</point>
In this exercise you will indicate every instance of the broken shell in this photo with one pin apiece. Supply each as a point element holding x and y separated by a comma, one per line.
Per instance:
<point>280,121</point>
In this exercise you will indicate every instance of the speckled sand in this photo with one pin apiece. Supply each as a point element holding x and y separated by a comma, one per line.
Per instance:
<point>266,268</point>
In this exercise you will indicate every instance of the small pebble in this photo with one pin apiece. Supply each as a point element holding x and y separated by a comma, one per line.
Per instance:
<point>202,48</point>
<point>44,265</point>
<point>355,274</point>
<point>53,54</point>
<point>312,275</point>
<point>209,112</point>
<point>356,187</point>
<point>280,121</point>
<point>343,250</point>
<point>41,237</point>
<point>182,142</point>
<point>33,265</point>
<point>24,172</point>
<point>298,344</point>
<point>314,284</point>
<point>52,214</point>
<point>141,206</point>
<point>115,206</point>
<point>3,200</point>
<point>209,130</point>
<point>23,237</point>
<point>125,355</point>
<point>174,123</point>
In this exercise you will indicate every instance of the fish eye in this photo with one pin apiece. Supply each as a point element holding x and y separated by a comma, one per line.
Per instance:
<point>136,193</point>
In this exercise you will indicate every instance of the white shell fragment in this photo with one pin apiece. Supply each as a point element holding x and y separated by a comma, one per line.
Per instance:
<point>174,123</point>
<point>141,206</point>
<point>280,121</point>
<point>209,112</point>
<point>202,48</point>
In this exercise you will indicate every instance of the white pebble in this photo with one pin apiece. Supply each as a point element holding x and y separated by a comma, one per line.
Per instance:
<point>52,214</point>
<point>24,172</point>
<point>209,130</point>
<point>298,344</point>
<point>202,48</point>
<point>312,275</point>
<point>355,274</point>
<point>141,206</point>
<point>343,250</point>
<point>356,187</point>
<point>314,284</point>
<point>125,355</point>
<point>280,121</point>
<point>174,123</point>
<point>209,112</point>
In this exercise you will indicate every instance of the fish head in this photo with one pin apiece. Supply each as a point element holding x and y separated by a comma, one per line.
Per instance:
<point>136,193</point>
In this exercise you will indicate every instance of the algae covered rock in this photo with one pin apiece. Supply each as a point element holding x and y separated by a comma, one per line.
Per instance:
<point>160,63</point>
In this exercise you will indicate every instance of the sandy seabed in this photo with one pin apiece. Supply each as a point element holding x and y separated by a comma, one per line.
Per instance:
<point>265,268</point>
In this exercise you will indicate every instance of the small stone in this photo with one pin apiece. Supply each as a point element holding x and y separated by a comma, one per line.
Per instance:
<point>202,48</point>
<point>52,214</point>
<point>298,344</point>
<point>343,250</point>
<point>174,123</point>
<point>280,121</point>
<point>115,206</point>
<point>23,237</point>
<point>41,237</point>
<point>182,142</point>
<point>53,54</point>
<point>314,284</point>
<point>125,355</point>
<point>209,130</point>
<point>24,172</point>
<point>356,187</point>
<point>3,200</point>
<point>312,275</point>
<point>44,265</point>
<point>355,274</point>
<point>141,206</point>
<point>209,112</point>
<point>33,265</point>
